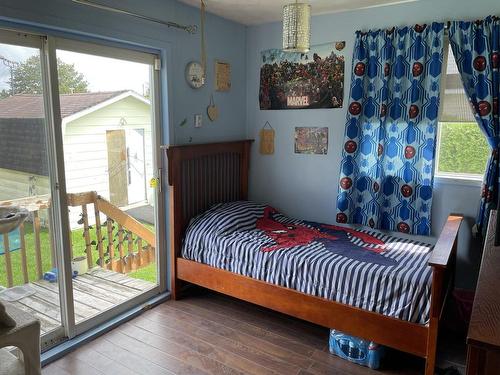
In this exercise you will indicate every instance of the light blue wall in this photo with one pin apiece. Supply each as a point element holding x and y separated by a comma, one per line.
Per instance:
<point>225,41</point>
<point>305,186</point>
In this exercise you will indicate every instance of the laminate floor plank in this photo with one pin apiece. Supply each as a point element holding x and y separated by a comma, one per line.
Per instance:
<point>226,340</point>
<point>279,358</point>
<point>259,329</point>
<point>54,369</point>
<point>128,359</point>
<point>73,365</point>
<point>301,330</point>
<point>95,359</point>
<point>192,357</point>
<point>153,355</point>
<point>259,332</point>
<point>188,336</point>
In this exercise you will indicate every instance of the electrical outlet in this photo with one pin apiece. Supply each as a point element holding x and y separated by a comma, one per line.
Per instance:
<point>198,121</point>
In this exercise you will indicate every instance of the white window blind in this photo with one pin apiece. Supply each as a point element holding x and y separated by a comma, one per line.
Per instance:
<point>455,103</point>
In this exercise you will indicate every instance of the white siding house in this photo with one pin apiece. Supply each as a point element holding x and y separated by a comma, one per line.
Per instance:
<point>107,146</point>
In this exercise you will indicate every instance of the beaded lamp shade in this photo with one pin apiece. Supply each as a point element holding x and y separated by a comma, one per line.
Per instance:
<point>296,27</point>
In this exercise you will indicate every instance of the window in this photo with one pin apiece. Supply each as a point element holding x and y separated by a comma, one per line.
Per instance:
<point>462,149</point>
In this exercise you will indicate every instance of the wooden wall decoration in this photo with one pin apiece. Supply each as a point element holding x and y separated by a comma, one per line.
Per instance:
<point>222,76</point>
<point>266,141</point>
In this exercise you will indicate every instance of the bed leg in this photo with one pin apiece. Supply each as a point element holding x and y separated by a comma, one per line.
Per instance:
<point>175,291</point>
<point>430,361</point>
<point>437,301</point>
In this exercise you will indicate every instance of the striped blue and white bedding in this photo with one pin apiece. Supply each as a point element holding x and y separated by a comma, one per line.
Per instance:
<point>365,269</point>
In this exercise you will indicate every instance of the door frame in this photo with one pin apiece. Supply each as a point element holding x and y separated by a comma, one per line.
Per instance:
<point>153,60</point>
<point>59,219</point>
<point>143,155</point>
<point>59,233</point>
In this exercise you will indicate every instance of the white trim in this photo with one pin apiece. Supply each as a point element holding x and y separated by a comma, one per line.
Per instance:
<point>103,104</point>
<point>105,51</point>
<point>458,179</point>
<point>17,38</point>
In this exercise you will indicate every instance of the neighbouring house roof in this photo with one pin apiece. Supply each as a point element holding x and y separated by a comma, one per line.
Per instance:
<point>31,106</point>
<point>22,130</point>
<point>23,147</point>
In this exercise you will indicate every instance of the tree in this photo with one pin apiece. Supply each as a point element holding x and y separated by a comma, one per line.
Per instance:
<point>27,78</point>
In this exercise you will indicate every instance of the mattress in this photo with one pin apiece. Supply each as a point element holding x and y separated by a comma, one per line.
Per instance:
<point>361,268</point>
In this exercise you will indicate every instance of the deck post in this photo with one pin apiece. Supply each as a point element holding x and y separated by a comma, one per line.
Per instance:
<point>38,250</point>
<point>24,261</point>
<point>86,234</point>
<point>8,262</point>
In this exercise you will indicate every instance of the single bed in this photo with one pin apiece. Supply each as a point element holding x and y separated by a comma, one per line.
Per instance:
<point>379,287</point>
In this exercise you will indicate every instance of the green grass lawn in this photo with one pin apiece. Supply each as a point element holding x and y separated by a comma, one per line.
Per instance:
<point>147,273</point>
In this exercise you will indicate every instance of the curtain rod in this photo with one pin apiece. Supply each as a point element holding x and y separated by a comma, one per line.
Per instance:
<point>191,29</point>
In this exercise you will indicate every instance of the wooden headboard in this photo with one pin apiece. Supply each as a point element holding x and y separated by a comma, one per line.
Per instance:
<point>200,176</point>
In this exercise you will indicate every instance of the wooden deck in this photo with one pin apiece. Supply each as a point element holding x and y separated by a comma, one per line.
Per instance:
<point>94,292</point>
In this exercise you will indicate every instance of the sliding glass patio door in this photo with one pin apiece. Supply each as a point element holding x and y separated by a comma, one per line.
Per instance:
<point>79,150</point>
<point>109,125</point>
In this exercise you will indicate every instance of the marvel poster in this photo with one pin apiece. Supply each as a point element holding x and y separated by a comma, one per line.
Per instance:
<point>292,80</point>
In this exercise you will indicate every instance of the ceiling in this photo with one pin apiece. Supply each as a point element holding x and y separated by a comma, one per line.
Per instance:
<point>254,12</point>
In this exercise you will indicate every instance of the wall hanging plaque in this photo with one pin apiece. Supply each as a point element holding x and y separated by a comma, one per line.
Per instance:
<point>266,146</point>
<point>212,110</point>
<point>293,80</point>
<point>311,140</point>
<point>222,76</point>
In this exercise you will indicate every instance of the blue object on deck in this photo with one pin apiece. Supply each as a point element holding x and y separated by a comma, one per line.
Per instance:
<point>14,241</point>
<point>354,349</point>
<point>51,276</point>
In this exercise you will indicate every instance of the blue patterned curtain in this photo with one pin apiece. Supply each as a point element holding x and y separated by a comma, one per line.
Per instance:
<point>477,53</point>
<point>386,173</point>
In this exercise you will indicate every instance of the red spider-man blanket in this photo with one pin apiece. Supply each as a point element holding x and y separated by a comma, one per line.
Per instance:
<point>343,241</point>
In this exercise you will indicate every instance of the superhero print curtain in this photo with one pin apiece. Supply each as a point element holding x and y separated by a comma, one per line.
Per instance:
<point>476,49</point>
<point>386,174</point>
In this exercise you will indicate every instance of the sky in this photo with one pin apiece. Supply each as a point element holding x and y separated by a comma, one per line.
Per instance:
<point>102,73</point>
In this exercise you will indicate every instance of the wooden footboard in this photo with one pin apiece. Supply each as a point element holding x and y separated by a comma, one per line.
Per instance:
<point>442,261</point>
<point>202,175</point>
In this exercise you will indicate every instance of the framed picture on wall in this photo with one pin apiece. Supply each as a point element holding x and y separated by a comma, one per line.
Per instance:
<point>293,80</point>
<point>222,75</point>
<point>311,140</point>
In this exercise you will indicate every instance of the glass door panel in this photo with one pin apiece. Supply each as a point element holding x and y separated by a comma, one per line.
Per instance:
<point>28,261</point>
<point>109,145</point>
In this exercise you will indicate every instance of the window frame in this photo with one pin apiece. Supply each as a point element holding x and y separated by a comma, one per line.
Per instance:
<point>449,177</point>
<point>452,177</point>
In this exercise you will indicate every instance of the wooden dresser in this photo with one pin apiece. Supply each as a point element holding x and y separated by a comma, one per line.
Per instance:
<point>483,338</point>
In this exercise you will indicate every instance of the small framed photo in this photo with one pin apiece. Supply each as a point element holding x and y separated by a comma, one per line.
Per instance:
<point>222,75</point>
<point>311,140</point>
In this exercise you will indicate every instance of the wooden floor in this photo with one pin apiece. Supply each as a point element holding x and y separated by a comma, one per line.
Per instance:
<point>94,292</point>
<point>208,333</point>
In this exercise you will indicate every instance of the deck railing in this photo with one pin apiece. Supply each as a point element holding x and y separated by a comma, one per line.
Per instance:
<point>120,242</point>
<point>129,243</point>
<point>34,205</point>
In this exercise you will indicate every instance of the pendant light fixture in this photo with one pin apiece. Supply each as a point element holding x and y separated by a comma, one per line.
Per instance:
<point>296,27</point>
